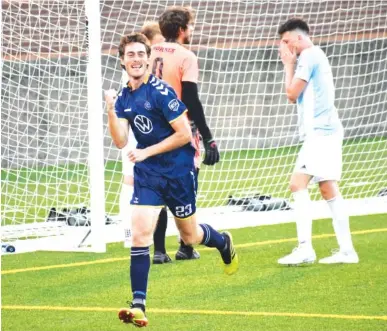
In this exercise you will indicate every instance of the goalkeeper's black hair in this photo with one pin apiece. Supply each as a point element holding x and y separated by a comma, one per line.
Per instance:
<point>135,37</point>
<point>293,24</point>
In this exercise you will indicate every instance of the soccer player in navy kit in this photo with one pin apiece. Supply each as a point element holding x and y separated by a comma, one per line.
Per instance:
<point>164,172</point>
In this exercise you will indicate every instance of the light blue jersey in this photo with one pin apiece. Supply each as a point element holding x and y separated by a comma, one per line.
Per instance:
<point>317,114</point>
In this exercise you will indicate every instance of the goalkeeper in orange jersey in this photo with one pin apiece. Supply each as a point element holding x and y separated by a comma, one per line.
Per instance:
<point>178,66</point>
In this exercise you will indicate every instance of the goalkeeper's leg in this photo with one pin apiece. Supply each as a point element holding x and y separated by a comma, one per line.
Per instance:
<point>160,255</point>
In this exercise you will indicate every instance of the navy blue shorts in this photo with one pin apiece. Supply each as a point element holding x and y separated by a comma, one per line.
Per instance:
<point>178,193</point>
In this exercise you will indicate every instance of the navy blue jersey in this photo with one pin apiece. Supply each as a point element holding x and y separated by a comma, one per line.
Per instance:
<point>150,110</point>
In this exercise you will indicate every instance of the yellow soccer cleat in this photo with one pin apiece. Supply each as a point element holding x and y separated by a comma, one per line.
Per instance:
<point>135,316</point>
<point>229,256</point>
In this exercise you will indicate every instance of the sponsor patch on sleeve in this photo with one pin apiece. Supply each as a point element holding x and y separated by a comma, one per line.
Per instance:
<point>173,105</point>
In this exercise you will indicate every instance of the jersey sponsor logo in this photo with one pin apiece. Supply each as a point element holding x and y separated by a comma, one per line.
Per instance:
<point>173,105</point>
<point>147,105</point>
<point>164,49</point>
<point>127,109</point>
<point>143,123</point>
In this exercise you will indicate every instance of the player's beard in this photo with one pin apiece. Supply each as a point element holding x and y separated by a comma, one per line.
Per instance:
<point>187,40</point>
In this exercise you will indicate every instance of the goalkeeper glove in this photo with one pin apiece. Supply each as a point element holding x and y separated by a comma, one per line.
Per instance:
<point>211,152</point>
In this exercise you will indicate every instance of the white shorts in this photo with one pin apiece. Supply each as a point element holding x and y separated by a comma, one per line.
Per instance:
<point>321,157</point>
<point>127,166</point>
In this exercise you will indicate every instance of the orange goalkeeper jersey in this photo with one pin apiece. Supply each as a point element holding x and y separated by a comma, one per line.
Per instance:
<point>175,64</point>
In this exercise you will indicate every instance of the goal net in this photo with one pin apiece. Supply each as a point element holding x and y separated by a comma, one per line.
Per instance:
<point>45,122</point>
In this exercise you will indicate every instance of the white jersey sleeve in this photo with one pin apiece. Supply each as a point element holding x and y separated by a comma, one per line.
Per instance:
<point>305,66</point>
<point>317,114</point>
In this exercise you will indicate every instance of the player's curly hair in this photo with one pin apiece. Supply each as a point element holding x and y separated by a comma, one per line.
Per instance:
<point>135,37</point>
<point>293,24</point>
<point>174,18</point>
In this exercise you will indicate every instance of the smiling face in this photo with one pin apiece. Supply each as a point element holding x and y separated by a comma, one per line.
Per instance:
<point>135,60</point>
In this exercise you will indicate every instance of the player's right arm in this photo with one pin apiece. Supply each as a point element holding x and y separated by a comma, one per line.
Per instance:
<point>118,127</point>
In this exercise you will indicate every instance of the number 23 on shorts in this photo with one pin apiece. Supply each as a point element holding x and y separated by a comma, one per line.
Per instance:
<point>183,211</point>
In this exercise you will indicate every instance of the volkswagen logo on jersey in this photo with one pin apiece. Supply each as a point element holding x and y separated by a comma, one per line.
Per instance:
<point>143,123</point>
<point>173,105</point>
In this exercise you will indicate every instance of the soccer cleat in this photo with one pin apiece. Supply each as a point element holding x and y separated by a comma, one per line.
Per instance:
<point>229,256</point>
<point>299,255</point>
<point>161,258</point>
<point>185,253</point>
<point>133,315</point>
<point>340,257</point>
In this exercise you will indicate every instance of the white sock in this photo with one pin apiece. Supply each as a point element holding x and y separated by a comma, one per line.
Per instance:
<point>303,219</point>
<point>341,223</point>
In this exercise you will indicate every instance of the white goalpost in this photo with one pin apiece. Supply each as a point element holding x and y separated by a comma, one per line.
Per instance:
<point>57,152</point>
<point>52,125</point>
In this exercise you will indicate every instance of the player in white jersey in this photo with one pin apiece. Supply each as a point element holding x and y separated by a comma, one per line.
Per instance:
<point>309,83</point>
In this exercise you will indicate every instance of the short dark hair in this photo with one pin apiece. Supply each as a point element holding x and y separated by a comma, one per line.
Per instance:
<point>135,37</point>
<point>150,30</point>
<point>174,18</point>
<point>293,24</point>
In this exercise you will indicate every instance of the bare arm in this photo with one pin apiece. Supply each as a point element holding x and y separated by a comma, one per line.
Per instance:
<point>118,127</point>
<point>181,137</point>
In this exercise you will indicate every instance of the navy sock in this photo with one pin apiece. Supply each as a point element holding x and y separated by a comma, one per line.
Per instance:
<point>139,270</point>
<point>212,238</point>
<point>187,248</point>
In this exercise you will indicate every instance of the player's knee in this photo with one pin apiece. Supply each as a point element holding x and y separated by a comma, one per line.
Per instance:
<point>142,236</point>
<point>329,190</point>
<point>141,239</point>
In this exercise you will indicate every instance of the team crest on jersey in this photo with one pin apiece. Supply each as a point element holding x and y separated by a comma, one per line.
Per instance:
<point>173,105</point>
<point>147,105</point>
<point>143,123</point>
